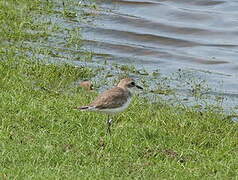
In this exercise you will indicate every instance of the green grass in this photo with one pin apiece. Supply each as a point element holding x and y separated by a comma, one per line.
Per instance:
<point>16,16</point>
<point>43,137</point>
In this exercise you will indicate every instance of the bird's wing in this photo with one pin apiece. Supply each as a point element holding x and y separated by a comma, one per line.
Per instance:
<point>112,98</point>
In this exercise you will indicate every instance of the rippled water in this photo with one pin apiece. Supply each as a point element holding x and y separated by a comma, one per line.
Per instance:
<point>200,35</point>
<point>187,41</point>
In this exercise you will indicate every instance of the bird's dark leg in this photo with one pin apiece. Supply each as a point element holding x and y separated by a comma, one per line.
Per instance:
<point>109,123</point>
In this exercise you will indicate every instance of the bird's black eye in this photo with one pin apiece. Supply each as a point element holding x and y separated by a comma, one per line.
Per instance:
<point>133,83</point>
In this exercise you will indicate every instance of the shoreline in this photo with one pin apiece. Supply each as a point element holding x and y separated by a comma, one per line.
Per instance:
<point>43,137</point>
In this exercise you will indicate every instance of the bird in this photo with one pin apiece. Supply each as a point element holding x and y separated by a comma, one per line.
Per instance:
<point>87,85</point>
<point>114,100</point>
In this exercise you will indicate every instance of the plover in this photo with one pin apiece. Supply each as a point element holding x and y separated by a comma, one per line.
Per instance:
<point>114,100</point>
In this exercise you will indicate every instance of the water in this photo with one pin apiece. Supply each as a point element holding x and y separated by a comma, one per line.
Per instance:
<point>168,35</point>
<point>187,41</point>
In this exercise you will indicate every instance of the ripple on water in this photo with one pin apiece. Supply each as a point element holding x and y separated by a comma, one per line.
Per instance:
<point>170,34</point>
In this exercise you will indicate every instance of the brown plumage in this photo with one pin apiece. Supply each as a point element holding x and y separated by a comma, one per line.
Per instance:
<point>87,85</point>
<point>114,100</point>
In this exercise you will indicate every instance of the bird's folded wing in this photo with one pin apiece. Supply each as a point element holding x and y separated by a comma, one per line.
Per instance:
<point>112,98</point>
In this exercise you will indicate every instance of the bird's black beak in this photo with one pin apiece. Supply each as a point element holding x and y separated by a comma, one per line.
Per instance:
<point>138,87</point>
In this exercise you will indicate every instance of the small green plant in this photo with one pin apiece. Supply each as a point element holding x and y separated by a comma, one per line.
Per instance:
<point>198,87</point>
<point>69,14</point>
<point>163,88</point>
<point>128,69</point>
<point>75,38</point>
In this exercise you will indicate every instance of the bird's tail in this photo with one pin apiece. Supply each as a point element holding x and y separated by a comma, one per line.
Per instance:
<point>84,108</point>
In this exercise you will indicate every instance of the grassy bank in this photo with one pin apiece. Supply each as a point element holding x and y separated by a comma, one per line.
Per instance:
<point>42,136</point>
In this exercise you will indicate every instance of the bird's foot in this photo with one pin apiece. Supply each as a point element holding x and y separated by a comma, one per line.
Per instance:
<point>109,124</point>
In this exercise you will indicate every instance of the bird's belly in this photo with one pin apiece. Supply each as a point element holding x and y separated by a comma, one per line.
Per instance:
<point>118,109</point>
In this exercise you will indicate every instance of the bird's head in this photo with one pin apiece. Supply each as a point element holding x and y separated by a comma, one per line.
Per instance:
<point>128,83</point>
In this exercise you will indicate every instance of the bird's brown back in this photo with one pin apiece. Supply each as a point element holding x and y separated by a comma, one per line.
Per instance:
<point>112,98</point>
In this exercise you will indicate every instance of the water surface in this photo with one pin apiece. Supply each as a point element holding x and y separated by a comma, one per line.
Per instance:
<point>187,42</point>
<point>168,35</point>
